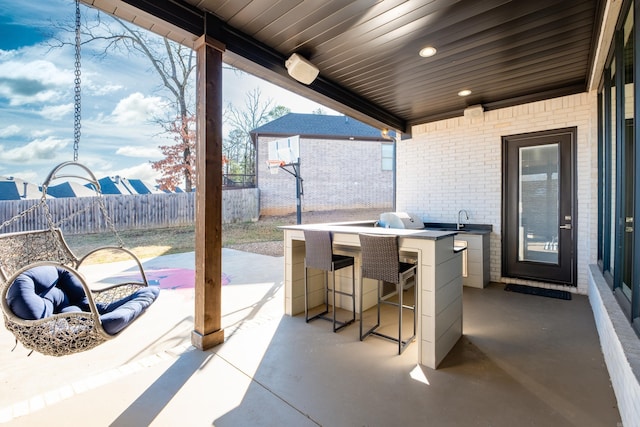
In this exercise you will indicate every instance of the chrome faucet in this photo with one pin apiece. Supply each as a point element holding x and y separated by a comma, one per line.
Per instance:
<point>466,217</point>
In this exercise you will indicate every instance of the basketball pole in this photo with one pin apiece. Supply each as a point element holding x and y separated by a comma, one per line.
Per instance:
<point>298,194</point>
<point>282,153</point>
<point>299,188</point>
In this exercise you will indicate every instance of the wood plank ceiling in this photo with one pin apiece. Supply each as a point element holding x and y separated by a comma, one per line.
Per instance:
<point>504,52</point>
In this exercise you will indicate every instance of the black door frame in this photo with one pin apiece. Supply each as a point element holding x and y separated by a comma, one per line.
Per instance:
<point>511,267</point>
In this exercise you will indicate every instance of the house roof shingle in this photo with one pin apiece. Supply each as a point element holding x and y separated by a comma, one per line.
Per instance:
<point>339,127</point>
<point>9,191</point>
<point>18,189</point>
<point>70,189</point>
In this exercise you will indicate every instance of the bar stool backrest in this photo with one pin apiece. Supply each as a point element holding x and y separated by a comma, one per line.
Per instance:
<point>319,253</point>
<point>380,257</point>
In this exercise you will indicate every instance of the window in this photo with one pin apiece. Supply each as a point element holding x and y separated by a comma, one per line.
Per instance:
<point>387,157</point>
<point>618,161</point>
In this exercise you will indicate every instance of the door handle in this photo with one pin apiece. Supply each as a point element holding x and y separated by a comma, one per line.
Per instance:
<point>566,227</point>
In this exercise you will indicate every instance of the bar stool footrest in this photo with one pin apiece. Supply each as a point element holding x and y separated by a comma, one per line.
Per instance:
<point>319,316</point>
<point>404,344</point>
<point>341,323</point>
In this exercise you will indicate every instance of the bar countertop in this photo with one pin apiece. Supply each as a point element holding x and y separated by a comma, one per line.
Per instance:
<point>368,227</point>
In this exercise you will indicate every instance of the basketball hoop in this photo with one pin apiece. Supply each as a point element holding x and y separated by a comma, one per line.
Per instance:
<point>274,166</point>
<point>284,153</point>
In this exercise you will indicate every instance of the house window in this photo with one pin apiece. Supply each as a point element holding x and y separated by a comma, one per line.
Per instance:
<point>618,161</point>
<point>387,157</point>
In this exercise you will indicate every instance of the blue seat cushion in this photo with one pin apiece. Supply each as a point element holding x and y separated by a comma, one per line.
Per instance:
<point>46,290</point>
<point>117,315</point>
<point>42,291</point>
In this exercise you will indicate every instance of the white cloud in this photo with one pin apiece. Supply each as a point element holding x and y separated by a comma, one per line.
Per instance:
<point>39,149</point>
<point>37,81</point>
<point>105,89</point>
<point>137,109</point>
<point>40,70</point>
<point>40,133</point>
<point>136,151</point>
<point>29,176</point>
<point>34,97</point>
<point>56,112</point>
<point>142,171</point>
<point>10,130</point>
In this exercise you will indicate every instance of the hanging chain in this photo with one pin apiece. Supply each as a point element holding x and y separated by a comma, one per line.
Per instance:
<point>103,207</point>
<point>99,200</point>
<point>20,215</point>
<point>77,99</point>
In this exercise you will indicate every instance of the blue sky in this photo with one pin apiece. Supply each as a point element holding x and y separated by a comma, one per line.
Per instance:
<point>120,97</point>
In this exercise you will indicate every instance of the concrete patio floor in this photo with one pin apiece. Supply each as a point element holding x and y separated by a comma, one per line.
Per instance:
<point>523,360</point>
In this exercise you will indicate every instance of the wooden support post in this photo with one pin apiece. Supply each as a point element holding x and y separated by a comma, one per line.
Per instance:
<point>208,330</point>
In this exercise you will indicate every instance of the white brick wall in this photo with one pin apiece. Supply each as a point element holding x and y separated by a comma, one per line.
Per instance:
<point>457,164</point>
<point>337,174</point>
<point>620,346</point>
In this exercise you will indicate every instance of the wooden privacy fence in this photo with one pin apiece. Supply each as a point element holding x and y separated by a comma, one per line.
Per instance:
<point>78,215</point>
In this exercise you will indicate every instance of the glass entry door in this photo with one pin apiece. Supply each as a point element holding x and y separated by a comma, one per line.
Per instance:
<point>538,219</point>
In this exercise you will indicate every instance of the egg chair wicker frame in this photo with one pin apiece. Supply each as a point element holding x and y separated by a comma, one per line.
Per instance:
<point>64,333</point>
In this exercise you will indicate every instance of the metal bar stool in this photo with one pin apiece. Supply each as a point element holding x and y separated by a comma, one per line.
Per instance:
<point>319,255</point>
<point>381,261</point>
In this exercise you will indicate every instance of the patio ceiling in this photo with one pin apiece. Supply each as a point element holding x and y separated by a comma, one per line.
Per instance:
<point>505,52</point>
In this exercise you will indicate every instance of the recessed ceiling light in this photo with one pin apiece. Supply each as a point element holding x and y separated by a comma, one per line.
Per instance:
<point>428,51</point>
<point>465,92</point>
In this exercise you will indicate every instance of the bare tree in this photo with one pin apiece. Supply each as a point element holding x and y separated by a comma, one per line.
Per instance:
<point>233,149</point>
<point>173,63</point>
<point>254,113</point>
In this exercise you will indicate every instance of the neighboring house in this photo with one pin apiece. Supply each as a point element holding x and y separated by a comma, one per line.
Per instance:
<point>17,189</point>
<point>113,185</point>
<point>70,189</point>
<point>9,191</point>
<point>141,187</point>
<point>119,185</point>
<point>344,164</point>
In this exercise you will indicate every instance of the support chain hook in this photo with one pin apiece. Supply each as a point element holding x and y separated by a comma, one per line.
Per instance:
<point>76,98</point>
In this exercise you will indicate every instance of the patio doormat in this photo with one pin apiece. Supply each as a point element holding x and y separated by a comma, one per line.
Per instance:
<point>532,290</point>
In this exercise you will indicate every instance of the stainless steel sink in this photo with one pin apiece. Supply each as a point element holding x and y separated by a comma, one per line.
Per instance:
<point>466,228</point>
<point>447,229</point>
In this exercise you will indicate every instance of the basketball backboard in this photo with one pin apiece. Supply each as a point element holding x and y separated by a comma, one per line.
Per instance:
<point>285,150</point>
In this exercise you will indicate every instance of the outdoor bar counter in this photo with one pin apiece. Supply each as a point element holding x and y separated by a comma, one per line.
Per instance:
<point>439,280</point>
